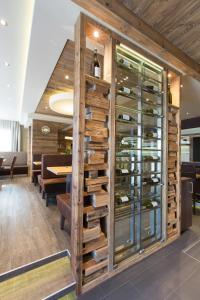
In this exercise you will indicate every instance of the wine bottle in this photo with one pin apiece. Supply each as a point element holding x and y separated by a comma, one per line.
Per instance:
<point>151,133</point>
<point>125,90</point>
<point>169,95</point>
<point>147,204</point>
<point>151,158</point>
<point>155,157</point>
<point>121,199</point>
<point>126,144</point>
<point>123,171</point>
<point>96,66</point>
<point>125,117</point>
<point>126,63</point>
<point>151,111</point>
<point>150,180</point>
<point>150,89</point>
<point>155,179</point>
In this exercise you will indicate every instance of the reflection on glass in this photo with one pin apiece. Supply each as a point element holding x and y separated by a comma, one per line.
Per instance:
<point>138,159</point>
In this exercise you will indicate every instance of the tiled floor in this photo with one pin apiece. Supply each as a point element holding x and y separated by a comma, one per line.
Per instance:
<point>173,273</point>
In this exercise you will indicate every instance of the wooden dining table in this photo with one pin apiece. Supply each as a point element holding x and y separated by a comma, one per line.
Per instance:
<point>60,170</point>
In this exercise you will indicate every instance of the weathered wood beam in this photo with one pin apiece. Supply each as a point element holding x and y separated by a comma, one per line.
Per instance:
<point>122,19</point>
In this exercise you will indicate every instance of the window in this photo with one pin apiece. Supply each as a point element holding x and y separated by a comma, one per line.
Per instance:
<point>5,140</point>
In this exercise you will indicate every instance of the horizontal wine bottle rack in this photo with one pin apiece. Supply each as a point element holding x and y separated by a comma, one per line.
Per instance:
<point>138,158</point>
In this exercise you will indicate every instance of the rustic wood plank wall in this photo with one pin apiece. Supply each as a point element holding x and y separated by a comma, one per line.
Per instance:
<point>48,143</point>
<point>57,82</point>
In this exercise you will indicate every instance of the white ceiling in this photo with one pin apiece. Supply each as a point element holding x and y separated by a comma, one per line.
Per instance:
<point>32,43</point>
<point>14,40</point>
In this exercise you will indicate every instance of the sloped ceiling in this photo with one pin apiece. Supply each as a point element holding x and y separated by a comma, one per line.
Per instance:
<point>177,20</point>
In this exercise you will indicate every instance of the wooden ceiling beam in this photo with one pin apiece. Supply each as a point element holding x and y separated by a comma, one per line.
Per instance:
<point>122,19</point>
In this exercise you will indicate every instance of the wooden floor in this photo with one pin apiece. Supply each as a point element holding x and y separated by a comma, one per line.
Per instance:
<point>28,229</point>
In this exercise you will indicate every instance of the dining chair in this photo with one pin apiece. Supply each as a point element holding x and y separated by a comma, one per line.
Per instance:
<point>8,170</point>
<point>12,166</point>
<point>1,161</point>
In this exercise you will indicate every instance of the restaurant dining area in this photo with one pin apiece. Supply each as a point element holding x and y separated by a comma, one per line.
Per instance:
<point>99,150</point>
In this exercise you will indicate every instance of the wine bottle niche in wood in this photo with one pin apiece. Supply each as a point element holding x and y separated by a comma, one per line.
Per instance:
<point>96,65</point>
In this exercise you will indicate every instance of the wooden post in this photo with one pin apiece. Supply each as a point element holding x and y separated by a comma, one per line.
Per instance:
<point>78,151</point>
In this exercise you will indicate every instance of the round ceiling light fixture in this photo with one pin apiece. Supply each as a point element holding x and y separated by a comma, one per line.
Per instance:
<point>62,103</point>
<point>3,22</point>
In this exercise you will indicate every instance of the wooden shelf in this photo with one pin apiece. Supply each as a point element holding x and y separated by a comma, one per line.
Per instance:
<point>90,234</point>
<point>173,106</point>
<point>93,80</point>
<point>92,266</point>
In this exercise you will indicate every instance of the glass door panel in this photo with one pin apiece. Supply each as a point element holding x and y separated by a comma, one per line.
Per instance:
<point>138,157</point>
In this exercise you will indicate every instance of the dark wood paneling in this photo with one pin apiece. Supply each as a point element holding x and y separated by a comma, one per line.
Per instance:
<point>190,123</point>
<point>42,143</point>
<point>196,149</point>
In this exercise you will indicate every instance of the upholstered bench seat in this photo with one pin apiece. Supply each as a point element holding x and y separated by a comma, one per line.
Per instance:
<point>64,206</point>
<point>20,167</point>
<point>20,170</point>
<point>53,186</point>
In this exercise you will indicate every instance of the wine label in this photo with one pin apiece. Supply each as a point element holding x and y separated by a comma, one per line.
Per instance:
<point>154,179</point>
<point>155,157</point>
<point>156,88</point>
<point>126,90</point>
<point>155,112</point>
<point>124,171</point>
<point>126,63</point>
<point>97,71</point>
<point>154,134</point>
<point>124,199</point>
<point>126,117</point>
<point>154,203</point>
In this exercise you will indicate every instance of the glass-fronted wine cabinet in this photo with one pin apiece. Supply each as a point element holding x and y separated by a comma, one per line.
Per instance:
<point>138,153</point>
<point>126,180</point>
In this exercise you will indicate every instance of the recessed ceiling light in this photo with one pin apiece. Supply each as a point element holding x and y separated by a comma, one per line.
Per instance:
<point>6,64</point>
<point>8,85</point>
<point>96,34</point>
<point>66,76</point>
<point>3,22</point>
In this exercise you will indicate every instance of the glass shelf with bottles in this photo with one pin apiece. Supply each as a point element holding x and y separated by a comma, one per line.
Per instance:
<point>128,180</point>
<point>138,146</point>
<point>126,205</point>
<point>131,109</point>
<point>125,116</point>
